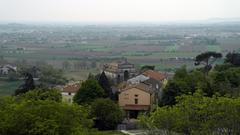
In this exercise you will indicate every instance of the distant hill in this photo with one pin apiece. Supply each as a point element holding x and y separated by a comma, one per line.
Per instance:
<point>223,20</point>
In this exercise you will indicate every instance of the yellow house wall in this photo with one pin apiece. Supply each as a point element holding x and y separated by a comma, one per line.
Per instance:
<point>67,98</point>
<point>128,97</point>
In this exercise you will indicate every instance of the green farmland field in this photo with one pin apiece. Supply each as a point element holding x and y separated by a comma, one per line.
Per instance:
<point>8,88</point>
<point>214,48</point>
<point>172,48</point>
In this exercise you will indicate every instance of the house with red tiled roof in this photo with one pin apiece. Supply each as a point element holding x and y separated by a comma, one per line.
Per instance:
<point>69,90</point>
<point>135,99</point>
<point>151,77</point>
<point>155,75</point>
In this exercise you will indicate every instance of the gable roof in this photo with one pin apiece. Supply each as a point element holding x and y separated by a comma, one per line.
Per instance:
<point>137,79</point>
<point>141,86</point>
<point>72,88</point>
<point>155,75</point>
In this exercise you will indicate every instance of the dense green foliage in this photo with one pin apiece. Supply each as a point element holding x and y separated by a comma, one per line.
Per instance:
<point>96,92</point>
<point>223,79</point>
<point>107,114</point>
<point>24,115</point>
<point>89,91</point>
<point>197,114</point>
<point>184,82</point>
<point>227,81</point>
<point>194,102</point>
<point>41,112</point>
<point>43,94</point>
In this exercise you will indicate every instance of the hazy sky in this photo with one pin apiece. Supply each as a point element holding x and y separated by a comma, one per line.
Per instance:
<point>117,10</point>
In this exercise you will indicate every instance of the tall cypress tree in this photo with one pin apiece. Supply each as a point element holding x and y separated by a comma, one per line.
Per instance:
<point>104,83</point>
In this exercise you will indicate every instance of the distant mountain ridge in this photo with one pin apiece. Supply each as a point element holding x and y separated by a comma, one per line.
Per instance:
<point>223,20</point>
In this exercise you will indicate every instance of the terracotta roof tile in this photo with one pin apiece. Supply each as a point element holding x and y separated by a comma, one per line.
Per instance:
<point>155,75</point>
<point>72,88</point>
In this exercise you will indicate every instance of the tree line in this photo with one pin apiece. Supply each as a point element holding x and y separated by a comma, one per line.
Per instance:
<point>39,110</point>
<point>204,100</point>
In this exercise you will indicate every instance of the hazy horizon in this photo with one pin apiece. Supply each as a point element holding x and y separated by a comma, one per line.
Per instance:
<point>112,11</point>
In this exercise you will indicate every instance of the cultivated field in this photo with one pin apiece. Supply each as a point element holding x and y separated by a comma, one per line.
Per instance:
<point>165,46</point>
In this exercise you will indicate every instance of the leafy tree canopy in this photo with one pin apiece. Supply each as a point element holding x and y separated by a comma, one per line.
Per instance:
<point>184,82</point>
<point>89,91</point>
<point>43,94</point>
<point>197,114</point>
<point>224,80</point>
<point>107,114</point>
<point>19,116</point>
<point>207,59</point>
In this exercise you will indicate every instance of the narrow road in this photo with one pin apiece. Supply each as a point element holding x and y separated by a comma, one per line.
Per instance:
<point>133,132</point>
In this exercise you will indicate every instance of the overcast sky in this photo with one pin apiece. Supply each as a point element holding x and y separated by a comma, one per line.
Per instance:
<point>116,10</point>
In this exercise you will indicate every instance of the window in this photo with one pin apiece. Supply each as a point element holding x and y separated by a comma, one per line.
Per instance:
<point>136,101</point>
<point>69,93</point>
<point>136,95</point>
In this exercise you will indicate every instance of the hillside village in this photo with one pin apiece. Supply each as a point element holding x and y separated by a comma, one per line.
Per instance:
<point>123,97</point>
<point>119,67</point>
<point>137,91</point>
